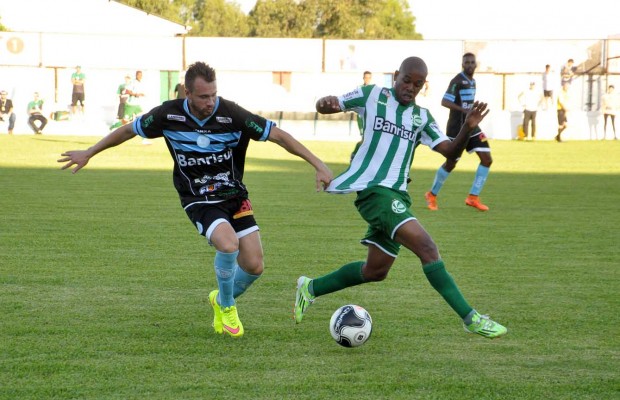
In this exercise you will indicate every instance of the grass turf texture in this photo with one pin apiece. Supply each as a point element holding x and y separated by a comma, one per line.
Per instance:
<point>104,282</point>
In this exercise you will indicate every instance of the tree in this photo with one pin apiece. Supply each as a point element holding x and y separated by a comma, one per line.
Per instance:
<point>170,10</point>
<point>280,18</point>
<point>343,19</point>
<point>206,18</point>
<point>218,18</point>
<point>365,19</point>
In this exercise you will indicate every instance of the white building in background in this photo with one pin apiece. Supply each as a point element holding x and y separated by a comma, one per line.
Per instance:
<point>109,40</point>
<point>280,78</point>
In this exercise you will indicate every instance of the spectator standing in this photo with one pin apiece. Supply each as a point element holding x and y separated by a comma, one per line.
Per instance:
<point>179,89</point>
<point>548,81</point>
<point>530,100</point>
<point>123,96</point>
<point>568,72</point>
<point>78,96</point>
<point>610,104</point>
<point>563,107</point>
<point>6,110</point>
<point>133,107</point>
<point>36,119</point>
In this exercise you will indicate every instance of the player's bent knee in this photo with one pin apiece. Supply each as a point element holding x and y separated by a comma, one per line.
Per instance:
<point>226,246</point>
<point>254,267</point>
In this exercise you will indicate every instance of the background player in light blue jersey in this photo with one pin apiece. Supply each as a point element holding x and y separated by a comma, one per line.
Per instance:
<point>459,98</point>
<point>394,127</point>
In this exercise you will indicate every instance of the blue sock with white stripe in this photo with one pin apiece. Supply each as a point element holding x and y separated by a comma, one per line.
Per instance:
<point>224,264</point>
<point>481,177</point>
<point>440,178</point>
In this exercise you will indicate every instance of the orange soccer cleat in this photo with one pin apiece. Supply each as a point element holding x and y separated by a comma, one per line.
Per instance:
<point>474,201</point>
<point>431,201</point>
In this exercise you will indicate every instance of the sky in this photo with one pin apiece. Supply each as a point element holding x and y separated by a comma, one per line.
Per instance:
<point>501,19</point>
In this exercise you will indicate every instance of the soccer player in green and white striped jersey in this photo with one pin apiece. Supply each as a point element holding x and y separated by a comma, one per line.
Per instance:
<point>394,127</point>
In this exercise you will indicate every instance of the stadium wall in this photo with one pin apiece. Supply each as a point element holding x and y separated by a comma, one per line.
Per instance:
<point>282,78</point>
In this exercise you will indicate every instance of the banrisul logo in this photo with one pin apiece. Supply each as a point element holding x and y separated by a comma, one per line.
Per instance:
<point>383,125</point>
<point>398,207</point>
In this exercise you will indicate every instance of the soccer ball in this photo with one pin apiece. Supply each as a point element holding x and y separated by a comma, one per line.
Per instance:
<point>350,325</point>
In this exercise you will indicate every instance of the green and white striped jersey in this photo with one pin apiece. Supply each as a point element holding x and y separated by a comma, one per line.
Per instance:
<point>392,133</point>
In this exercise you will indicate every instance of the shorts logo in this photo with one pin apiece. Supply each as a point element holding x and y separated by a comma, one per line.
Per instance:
<point>244,210</point>
<point>398,207</point>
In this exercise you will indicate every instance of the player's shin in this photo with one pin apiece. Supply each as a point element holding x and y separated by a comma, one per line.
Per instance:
<point>224,264</point>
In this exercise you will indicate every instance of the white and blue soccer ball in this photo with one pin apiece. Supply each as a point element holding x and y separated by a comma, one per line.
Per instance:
<point>350,325</point>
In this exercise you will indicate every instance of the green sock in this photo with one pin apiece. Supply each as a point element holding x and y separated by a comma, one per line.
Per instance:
<point>346,276</point>
<point>442,281</point>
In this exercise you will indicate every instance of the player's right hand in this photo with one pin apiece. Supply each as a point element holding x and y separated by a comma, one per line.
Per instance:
<point>79,158</point>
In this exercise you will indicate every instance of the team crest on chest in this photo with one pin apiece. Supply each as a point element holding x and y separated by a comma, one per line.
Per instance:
<point>203,141</point>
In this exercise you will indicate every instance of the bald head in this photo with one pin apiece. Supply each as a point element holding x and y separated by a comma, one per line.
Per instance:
<point>414,64</point>
<point>410,79</point>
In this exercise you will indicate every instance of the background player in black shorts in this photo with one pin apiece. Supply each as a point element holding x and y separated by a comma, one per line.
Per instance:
<point>459,98</point>
<point>207,137</point>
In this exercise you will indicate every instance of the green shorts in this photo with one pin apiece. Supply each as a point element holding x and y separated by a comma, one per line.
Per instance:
<point>385,210</point>
<point>132,110</point>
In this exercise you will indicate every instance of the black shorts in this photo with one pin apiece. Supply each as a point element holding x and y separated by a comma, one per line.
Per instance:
<point>548,93</point>
<point>77,98</point>
<point>562,117</point>
<point>477,142</point>
<point>237,212</point>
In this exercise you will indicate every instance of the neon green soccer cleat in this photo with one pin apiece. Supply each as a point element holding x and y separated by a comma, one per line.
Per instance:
<point>303,298</point>
<point>217,312</point>
<point>485,326</point>
<point>231,325</point>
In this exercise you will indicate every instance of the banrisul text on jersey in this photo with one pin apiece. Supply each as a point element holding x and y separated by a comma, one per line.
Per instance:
<point>392,133</point>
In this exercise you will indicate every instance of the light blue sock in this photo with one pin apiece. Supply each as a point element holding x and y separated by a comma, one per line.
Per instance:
<point>224,264</point>
<point>242,281</point>
<point>481,177</point>
<point>440,178</point>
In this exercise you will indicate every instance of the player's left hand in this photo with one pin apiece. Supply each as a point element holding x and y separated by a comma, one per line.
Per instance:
<point>476,114</point>
<point>324,176</point>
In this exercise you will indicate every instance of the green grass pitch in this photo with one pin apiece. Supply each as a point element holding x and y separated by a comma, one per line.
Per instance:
<point>104,282</point>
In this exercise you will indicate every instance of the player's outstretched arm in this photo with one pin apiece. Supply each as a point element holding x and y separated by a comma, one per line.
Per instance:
<point>282,138</point>
<point>453,149</point>
<point>79,158</point>
<point>328,105</point>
